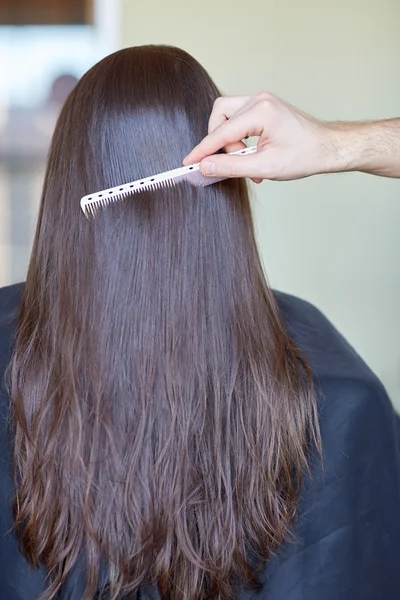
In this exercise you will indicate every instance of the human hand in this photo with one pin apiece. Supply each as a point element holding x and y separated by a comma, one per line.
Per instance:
<point>291,144</point>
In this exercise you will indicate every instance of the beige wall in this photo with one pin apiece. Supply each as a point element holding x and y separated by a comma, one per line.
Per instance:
<point>334,240</point>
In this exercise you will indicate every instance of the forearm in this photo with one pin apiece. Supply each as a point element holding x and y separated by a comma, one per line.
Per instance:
<point>368,147</point>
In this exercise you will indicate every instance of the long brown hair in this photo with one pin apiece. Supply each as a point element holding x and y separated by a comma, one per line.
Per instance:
<point>163,417</point>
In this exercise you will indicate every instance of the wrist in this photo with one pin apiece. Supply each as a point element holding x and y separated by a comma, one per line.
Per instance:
<point>347,147</point>
<point>368,147</point>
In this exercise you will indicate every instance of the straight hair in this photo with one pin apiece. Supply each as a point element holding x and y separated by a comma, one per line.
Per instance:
<point>163,418</point>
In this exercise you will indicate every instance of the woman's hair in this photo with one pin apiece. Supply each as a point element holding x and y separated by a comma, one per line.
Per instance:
<point>162,416</point>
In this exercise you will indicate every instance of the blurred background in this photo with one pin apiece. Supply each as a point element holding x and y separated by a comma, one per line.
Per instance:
<point>333,240</point>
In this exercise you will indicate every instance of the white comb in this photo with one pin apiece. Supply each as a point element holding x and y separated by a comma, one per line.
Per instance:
<point>192,173</point>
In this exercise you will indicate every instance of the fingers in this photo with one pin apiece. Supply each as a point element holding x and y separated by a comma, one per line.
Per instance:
<point>227,107</point>
<point>224,108</point>
<point>224,165</point>
<point>233,118</point>
<point>234,147</point>
<point>244,125</point>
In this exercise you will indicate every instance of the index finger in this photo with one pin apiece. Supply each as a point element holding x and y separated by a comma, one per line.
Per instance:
<point>209,145</point>
<point>232,131</point>
<point>224,108</point>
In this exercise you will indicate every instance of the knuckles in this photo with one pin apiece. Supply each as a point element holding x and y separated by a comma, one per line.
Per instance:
<point>264,95</point>
<point>218,102</point>
<point>265,100</point>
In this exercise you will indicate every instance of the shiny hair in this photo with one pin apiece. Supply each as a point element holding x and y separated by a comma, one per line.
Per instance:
<point>163,418</point>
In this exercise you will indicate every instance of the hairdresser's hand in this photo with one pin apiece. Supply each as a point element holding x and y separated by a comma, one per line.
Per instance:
<point>292,144</point>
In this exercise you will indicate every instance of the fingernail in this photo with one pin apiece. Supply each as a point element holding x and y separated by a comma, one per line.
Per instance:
<point>208,167</point>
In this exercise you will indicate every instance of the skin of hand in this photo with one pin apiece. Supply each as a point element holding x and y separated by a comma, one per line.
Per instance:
<point>292,144</point>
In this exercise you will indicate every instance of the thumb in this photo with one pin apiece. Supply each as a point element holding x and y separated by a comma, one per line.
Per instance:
<point>224,165</point>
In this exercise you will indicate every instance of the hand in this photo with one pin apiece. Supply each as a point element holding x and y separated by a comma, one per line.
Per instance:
<point>291,144</point>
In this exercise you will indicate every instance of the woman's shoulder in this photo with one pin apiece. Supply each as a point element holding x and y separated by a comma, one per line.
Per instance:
<point>328,353</point>
<point>356,414</point>
<point>347,387</point>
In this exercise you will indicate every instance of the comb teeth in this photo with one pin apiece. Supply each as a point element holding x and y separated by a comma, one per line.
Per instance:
<point>91,203</point>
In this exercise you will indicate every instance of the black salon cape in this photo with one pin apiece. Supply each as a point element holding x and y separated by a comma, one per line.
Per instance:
<point>348,536</point>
